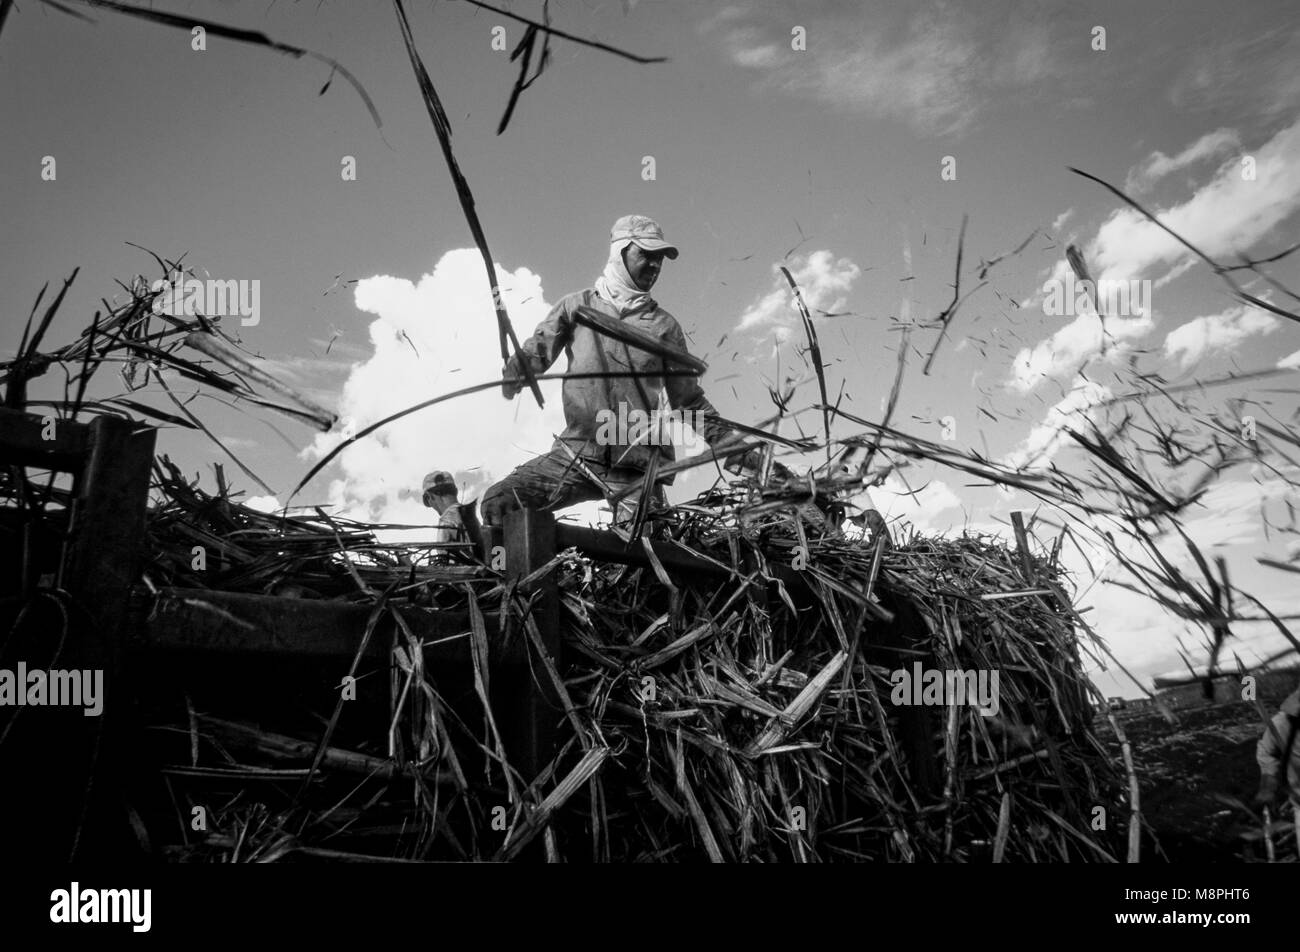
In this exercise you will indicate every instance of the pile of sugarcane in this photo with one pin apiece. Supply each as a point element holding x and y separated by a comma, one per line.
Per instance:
<point>733,722</point>
<point>758,718</point>
<point>199,540</point>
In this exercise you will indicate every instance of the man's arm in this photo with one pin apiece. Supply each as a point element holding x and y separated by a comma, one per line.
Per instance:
<point>686,394</point>
<point>1268,754</point>
<point>540,350</point>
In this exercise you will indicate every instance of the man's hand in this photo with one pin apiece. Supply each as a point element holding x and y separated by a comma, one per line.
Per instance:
<point>1267,792</point>
<point>752,461</point>
<point>514,379</point>
<point>738,463</point>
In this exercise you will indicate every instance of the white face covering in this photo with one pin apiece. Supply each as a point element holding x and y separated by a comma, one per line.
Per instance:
<point>615,285</point>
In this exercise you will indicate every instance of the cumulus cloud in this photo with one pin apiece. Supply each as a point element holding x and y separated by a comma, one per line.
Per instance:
<point>1228,215</point>
<point>1074,410</point>
<point>1226,520</point>
<point>925,505</point>
<point>1216,333</point>
<point>1230,513</point>
<point>823,279</point>
<point>431,337</point>
<point>757,56</point>
<point>1250,75</point>
<point>1075,344</point>
<point>930,70</point>
<point>1157,165</point>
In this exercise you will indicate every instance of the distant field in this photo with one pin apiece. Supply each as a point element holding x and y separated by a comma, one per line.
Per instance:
<point>1190,772</point>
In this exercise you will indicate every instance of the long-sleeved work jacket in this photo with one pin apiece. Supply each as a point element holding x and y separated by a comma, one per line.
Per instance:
<point>589,351</point>
<point>1278,752</point>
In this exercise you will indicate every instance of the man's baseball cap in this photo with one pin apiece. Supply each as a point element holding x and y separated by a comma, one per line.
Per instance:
<point>644,232</point>
<point>440,482</point>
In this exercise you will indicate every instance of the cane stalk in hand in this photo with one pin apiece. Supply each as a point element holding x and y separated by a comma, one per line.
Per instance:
<point>1268,834</point>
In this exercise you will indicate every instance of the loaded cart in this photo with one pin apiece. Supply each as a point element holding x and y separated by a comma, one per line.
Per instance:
<point>736,678</point>
<point>290,689</point>
<point>79,604</point>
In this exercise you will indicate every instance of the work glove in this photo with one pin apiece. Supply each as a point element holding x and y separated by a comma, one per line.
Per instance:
<point>736,463</point>
<point>514,379</point>
<point>751,461</point>
<point>1267,792</point>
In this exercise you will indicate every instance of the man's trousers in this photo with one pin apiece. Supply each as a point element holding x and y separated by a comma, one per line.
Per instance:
<point>554,481</point>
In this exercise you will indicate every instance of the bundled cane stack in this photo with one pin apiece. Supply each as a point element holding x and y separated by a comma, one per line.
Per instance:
<point>820,697</point>
<point>774,715</point>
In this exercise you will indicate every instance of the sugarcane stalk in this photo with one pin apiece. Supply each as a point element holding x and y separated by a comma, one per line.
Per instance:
<point>214,347</point>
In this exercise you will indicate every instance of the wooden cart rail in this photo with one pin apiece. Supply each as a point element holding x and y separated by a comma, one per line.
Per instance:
<point>68,760</point>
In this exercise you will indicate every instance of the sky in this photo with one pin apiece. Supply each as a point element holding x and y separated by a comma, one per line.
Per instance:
<point>846,141</point>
